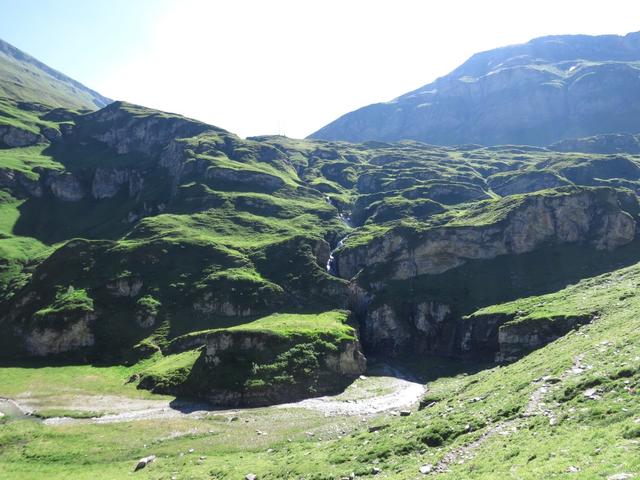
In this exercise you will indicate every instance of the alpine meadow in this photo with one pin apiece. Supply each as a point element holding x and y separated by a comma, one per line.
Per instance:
<point>445,285</point>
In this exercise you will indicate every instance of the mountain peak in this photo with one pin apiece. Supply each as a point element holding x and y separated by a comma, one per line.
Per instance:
<point>537,93</point>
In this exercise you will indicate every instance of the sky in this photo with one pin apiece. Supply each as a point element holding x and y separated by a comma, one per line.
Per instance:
<point>287,67</point>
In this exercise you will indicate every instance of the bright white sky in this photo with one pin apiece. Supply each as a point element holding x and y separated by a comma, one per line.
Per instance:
<point>287,66</point>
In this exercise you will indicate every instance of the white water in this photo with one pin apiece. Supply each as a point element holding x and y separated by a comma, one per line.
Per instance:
<point>332,266</point>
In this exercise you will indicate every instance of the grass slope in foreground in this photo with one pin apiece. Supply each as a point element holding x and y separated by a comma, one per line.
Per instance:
<point>570,407</point>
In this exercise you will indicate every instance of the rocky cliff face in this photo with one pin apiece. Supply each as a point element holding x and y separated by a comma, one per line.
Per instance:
<point>135,129</point>
<point>11,137</point>
<point>336,369</point>
<point>537,93</point>
<point>592,216</point>
<point>389,273</point>
<point>46,341</point>
<point>258,367</point>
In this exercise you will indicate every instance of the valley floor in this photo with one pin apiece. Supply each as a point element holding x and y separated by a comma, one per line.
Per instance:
<point>40,403</point>
<point>568,410</point>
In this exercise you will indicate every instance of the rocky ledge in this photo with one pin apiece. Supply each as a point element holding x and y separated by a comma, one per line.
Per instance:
<point>601,217</point>
<point>276,359</point>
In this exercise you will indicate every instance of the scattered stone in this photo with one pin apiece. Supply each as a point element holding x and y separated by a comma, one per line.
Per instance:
<point>191,450</point>
<point>202,457</point>
<point>376,470</point>
<point>405,413</point>
<point>250,476</point>
<point>620,476</point>
<point>573,469</point>
<point>234,419</point>
<point>310,434</point>
<point>143,462</point>
<point>426,469</point>
<point>363,377</point>
<point>591,394</point>
<point>376,428</point>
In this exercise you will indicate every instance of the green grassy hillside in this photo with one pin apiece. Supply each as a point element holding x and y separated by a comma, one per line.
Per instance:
<point>142,250</point>
<point>25,79</point>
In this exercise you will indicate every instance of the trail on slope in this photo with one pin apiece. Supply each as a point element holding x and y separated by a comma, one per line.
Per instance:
<point>535,406</point>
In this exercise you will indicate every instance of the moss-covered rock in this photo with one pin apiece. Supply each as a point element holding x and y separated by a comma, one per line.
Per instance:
<point>275,359</point>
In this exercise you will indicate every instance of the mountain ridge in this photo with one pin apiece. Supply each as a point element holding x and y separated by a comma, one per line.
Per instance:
<point>25,78</point>
<point>535,93</point>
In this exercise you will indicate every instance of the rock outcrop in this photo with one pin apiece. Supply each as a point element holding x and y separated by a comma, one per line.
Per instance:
<point>128,128</point>
<point>18,137</point>
<point>75,335</point>
<point>502,338</point>
<point>389,272</point>
<point>596,217</point>
<point>223,350</point>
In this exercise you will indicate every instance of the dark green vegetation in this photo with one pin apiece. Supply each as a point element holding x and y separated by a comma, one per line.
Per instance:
<point>278,358</point>
<point>133,228</point>
<point>549,89</point>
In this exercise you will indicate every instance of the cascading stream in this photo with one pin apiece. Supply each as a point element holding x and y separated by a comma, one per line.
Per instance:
<point>332,264</point>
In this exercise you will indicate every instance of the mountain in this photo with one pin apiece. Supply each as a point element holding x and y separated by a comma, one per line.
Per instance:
<point>25,79</point>
<point>155,268</point>
<point>538,93</point>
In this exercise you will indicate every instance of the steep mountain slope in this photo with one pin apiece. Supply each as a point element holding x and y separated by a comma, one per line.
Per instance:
<point>25,79</point>
<point>135,233</point>
<point>537,93</point>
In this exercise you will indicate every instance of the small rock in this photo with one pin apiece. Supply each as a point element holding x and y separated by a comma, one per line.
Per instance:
<point>202,457</point>
<point>191,450</point>
<point>405,413</point>
<point>376,470</point>
<point>620,476</point>
<point>425,469</point>
<point>250,476</point>
<point>573,469</point>
<point>362,377</point>
<point>143,462</point>
<point>375,428</point>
